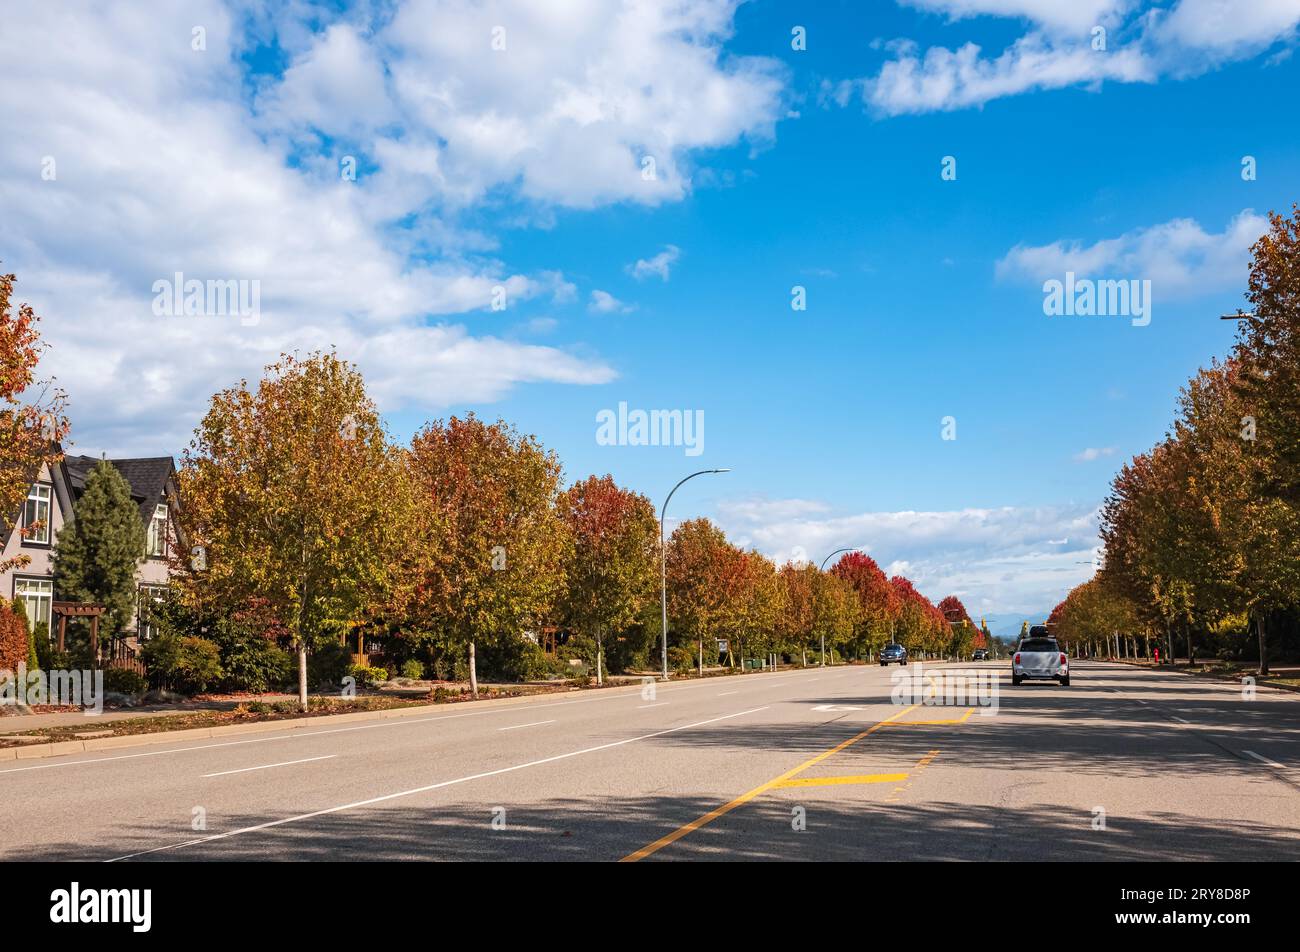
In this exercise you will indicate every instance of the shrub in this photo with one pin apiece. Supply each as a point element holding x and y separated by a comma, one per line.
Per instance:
<point>125,681</point>
<point>33,659</point>
<point>329,664</point>
<point>258,707</point>
<point>182,663</point>
<point>412,669</point>
<point>682,660</point>
<point>13,639</point>
<point>368,677</point>
<point>250,661</point>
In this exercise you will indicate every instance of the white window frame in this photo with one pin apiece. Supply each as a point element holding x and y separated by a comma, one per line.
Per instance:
<point>47,596</point>
<point>157,536</point>
<point>41,494</point>
<point>154,593</point>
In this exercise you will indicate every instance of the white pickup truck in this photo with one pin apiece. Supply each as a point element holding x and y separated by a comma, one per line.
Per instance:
<point>1040,659</point>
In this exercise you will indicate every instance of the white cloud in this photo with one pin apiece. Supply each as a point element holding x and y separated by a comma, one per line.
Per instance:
<point>658,266</point>
<point>1007,558</point>
<point>567,112</point>
<point>602,302</point>
<point>1142,45</point>
<point>163,166</point>
<point>1230,26</point>
<point>1178,256</point>
<point>1070,16</point>
<point>944,79</point>
<point>1093,453</point>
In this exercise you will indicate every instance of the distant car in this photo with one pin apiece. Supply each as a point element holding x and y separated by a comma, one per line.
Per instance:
<point>891,653</point>
<point>1040,659</point>
<point>981,654</point>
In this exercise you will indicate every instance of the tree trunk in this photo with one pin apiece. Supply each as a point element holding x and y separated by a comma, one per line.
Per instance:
<point>473,671</point>
<point>1191,657</point>
<point>302,676</point>
<point>600,671</point>
<point>1263,645</point>
<point>701,656</point>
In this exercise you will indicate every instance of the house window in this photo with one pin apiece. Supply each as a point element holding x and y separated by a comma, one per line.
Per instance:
<point>36,595</point>
<point>157,544</point>
<point>37,514</point>
<point>150,595</point>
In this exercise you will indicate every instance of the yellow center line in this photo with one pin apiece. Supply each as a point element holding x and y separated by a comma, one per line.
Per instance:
<point>744,798</point>
<point>835,781</point>
<point>957,720</point>
<point>926,760</point>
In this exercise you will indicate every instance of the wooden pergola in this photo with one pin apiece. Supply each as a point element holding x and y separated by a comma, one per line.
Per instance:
<point>66,610</point>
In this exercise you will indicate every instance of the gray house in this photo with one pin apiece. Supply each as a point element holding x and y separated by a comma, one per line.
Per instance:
<point>49,507</point>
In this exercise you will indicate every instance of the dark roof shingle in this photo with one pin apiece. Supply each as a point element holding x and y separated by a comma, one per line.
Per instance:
<point>147,478</point>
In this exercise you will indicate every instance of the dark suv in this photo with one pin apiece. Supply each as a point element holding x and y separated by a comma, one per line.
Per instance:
<point>893,652</point>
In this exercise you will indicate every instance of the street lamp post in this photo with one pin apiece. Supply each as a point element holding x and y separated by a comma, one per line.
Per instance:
<point>823,569</point>
<point>663,561</point>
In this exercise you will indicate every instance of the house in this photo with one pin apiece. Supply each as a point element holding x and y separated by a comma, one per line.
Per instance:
<point>49,507</point>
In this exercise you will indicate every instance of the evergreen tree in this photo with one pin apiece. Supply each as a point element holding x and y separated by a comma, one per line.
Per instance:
<point>96,556</point>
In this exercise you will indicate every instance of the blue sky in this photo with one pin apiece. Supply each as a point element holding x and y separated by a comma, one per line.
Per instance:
<point>520,168</point>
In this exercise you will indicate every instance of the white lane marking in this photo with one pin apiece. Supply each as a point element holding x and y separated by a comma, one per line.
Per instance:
<point>435,786</point>
<point>286,763</point>
<point>1264,760</point>
<point>728,693</point>
<point>302,733</point>
<point>642,707</point>
<point>515,727</point>
<point>1179,719</point>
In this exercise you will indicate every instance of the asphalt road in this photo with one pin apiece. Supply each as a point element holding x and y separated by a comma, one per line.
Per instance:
<point>817,764</point>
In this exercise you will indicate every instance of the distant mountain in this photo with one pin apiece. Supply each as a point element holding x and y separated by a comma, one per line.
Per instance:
<point>1007,624</point>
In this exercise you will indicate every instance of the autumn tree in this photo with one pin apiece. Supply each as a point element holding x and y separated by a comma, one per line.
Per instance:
<point>32,411</point>
<point>799,581</point>
<point>294,497</point>
<point>760,605</point>
<point>963,630</point>
<point>704,579</point>
<point>877,599</point>
<point>836,612</point>
<point>492,545</point>
<point>1268,387</point>
<point>612,567</point>
<point>921,626</point>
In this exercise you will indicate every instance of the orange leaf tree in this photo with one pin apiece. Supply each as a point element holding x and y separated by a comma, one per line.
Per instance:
<point>297,500</point>
<point>32,419</point>
<point>491,561</point>
<point>611,571</point>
